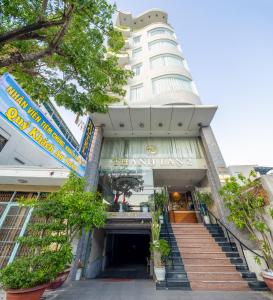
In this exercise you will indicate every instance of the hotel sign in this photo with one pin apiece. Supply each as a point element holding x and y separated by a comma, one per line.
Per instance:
<point>24,115</point>
<point>154,163</point>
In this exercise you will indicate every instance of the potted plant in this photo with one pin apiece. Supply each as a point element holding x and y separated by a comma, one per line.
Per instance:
<point>249,210</point>
<point>161,201</point>
<point>144,207</point>
<point>27,277</point>
<point>205,201</point>
<point>47,250</point>
<point>159,248</point>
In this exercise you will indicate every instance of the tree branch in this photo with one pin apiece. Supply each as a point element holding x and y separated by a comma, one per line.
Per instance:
<point>16,58</point>
<point>16,33</point>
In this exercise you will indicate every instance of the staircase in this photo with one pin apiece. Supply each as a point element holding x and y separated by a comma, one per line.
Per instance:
<point>210,262</point>
<point>176,276</point>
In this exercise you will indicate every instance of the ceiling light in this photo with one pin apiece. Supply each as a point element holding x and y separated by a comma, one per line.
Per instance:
<point>121,124</point>
<point>160,124</point>
<point>141,125</point>
<point>179,124</point>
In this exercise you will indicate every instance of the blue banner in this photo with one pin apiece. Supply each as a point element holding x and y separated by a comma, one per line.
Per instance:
<point>22,113</point>
<point>87,138</point>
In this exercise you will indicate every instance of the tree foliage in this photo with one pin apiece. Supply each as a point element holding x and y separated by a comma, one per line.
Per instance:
<point>248,211</point>
<point>58,49</point>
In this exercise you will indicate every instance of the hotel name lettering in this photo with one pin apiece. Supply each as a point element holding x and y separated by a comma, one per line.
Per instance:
<point>149,162</point>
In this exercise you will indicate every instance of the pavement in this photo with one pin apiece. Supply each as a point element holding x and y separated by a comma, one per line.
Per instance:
<point>105,289</point>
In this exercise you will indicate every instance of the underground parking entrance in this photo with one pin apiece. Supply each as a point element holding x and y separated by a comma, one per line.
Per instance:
<point>128,256</point>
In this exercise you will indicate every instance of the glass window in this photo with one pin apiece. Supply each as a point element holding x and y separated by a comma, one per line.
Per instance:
<point>160,30</point>
<point>136,52</point>
<point>136,39</point>
<point>166,60</point>
<point>136,93</point>
<point>157,44</point>
<point>172,83</point>
<point>3,142</point>
<point>137,69</point>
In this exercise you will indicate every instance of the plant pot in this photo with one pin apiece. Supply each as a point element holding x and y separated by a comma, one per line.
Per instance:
<point>268,278</point>
<point>161,220</point>
<point>61,278</point>
<point>206,219</point>
<point>160,273</point>
<point>145,209</point>
<point>34,293</point>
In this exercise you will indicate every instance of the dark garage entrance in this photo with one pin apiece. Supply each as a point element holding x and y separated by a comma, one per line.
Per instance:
<point>127,256</point>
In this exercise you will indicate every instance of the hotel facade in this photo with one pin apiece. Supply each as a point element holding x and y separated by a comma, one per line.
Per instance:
<point>158,137</point>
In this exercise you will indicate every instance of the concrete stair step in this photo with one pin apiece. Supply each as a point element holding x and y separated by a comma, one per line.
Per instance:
<point>210,268</point>
<point>192,235</point>
<point>219,286</point>
<point>203,255</point>
<point>214,276</point>
<point>206,261</point>
<point>185,250</point>
<point>194,239</point>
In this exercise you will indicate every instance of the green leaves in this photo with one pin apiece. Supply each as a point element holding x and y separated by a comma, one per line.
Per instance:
<point>73,67</point>
<point>247,209</point>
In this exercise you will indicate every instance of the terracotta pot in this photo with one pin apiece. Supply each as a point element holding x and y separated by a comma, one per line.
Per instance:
<point>34,293</point>
<point>268,279</point>
<point>61,278</point>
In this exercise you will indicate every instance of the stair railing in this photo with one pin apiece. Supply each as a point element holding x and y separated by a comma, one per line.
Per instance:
<point>228,233</point>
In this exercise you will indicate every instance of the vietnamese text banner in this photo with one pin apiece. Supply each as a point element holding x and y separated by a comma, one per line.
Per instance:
<point>87,138</point>
<point>17,108</point>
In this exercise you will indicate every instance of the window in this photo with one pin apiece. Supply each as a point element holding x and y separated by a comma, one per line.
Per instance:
<point>171,83</point>
<point>137,69</point>
<point>166,60</point>
<point>136,40</point>
<point>157,44</point>
<point>136,52</point>
<point>3,142</point>
<point>160,30</point>
<point>136,93</point>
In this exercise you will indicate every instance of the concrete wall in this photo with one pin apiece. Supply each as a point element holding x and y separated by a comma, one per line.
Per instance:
<point>95,260</point>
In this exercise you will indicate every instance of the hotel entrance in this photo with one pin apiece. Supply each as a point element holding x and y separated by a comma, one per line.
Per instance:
<point>181,186</point>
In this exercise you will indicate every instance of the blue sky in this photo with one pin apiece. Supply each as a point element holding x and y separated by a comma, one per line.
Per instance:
<point>228,45</point>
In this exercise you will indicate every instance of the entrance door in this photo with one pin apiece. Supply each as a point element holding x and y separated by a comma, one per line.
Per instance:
<point>181,208</point>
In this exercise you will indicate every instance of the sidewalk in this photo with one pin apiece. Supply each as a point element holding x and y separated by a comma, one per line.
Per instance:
<point>138,290</point>
<point>100,289</point>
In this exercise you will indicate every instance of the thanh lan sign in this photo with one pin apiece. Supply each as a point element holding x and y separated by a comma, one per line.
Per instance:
<point>23,114</point>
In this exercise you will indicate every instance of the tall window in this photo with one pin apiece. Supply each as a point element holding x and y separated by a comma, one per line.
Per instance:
<point>160,30</point>
<point>166,60</point>
<point>170,83</point>
<point>3,142</point>
<point>136,40</point>
<point>157,44</point>
<point>136,93</point>
<point>137,69</point>
<point>136,52</point>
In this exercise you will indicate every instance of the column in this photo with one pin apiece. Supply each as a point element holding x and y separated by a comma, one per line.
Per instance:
<point>216,167</point>
<point>92,176</point>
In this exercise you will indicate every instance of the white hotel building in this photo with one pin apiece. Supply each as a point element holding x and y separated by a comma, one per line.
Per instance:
<point>158,136</point>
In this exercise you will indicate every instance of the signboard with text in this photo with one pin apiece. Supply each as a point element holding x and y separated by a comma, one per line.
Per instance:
<point>22,113</point>
<point>87,138</point>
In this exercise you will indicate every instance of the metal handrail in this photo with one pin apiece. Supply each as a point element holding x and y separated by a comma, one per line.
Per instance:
<point>228,231</point>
